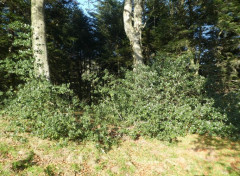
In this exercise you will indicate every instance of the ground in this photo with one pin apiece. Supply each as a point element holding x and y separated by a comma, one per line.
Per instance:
<point>24,154</point>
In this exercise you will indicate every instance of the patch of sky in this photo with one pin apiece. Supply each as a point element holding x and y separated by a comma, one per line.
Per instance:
<point>206,31</point>
<point>87,5</point>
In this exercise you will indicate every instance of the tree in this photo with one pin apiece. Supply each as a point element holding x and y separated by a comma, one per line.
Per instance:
<point>39,44</point>
<point>133,27</point>
<point>71,43</point>
<point>113,45</point>
<point>227,48</point>
<point>15,45</point>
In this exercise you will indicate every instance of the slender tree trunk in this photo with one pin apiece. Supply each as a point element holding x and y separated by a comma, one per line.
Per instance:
<point>39,46</point>
<point>132,17</point>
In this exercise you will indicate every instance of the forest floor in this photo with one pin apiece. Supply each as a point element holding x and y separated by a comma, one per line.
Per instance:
<point>24,154</point>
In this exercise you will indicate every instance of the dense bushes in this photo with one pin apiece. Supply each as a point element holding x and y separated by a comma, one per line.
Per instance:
<point>48,111</point>
<point>17,65</point>
<point>44,109</point>
<point>164,100</point>
<point>229,104</point>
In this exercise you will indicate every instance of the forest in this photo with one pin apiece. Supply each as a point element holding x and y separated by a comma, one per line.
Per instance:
<point>158,69</point>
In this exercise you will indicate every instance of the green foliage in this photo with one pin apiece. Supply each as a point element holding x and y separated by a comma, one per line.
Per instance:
<point>17,66</point>
<point>208,29</point>
<point>71,44</point>
<point>114,46</point>
<point>229,104</point>
<point>162,101</point>
<point>227,49</point>
<point>48,111</point>
<point>44,109</point>
<point>49,171</point>
<point>15,53</point>
<point>19,62</point>
<point>25,163</point>
<point>165,100</point>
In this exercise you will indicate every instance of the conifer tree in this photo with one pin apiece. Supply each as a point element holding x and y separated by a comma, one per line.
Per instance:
<point>114,48</point>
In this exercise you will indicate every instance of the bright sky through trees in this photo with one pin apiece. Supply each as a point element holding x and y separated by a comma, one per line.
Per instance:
<point>86,5</point>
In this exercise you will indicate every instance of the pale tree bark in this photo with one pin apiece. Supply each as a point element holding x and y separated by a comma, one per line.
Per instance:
<point>39,45</point>
<point>132,18</point>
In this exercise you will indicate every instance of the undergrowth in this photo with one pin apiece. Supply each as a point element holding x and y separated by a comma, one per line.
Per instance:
<point>45,110</point>
<point>164,101</point>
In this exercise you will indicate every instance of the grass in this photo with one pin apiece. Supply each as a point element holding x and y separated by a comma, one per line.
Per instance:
<point>23,154</point>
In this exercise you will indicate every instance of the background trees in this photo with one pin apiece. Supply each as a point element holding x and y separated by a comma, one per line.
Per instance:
<point>15,53</point>
<point>113,45</point>
<point>198,27</point>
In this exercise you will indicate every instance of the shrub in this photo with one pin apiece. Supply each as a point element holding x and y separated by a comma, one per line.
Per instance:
<point>45,110</point>
<point>164,100</point>
<point>17,67</point>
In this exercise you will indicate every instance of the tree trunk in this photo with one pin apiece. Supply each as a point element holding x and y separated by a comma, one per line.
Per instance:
<point>133,28</point>
<point>39,46</point>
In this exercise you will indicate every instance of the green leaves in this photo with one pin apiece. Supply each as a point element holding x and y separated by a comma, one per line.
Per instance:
<point>45,110</point>
<point>17,66</point>
<point>19,61</point>
<point>163,101</point>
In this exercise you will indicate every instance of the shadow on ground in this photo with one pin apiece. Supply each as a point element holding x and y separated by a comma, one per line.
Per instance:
<point>210,142</point>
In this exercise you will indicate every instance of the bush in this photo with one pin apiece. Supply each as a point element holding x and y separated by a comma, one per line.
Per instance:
<point>17,66</point>
<point>45,110</point>
<point>229,104</point>
<point>163,101</point>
